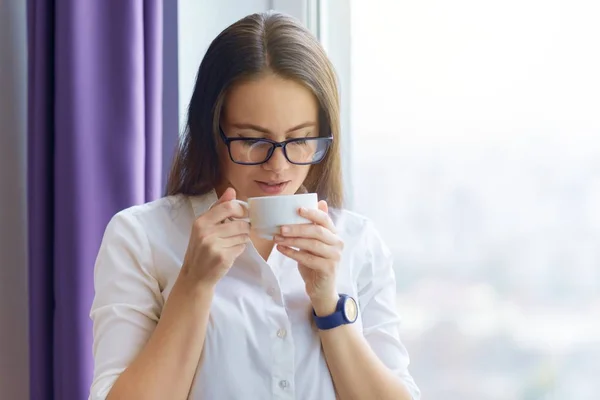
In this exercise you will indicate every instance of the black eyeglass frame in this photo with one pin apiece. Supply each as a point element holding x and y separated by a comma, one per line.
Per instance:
<point>274,145</point>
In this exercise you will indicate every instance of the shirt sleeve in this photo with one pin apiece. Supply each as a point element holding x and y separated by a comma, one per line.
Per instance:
<point>127,302</point>
<point>377,302</point>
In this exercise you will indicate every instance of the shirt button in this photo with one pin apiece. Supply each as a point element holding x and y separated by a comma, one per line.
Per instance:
<point>271,291</point>
<point>283,384</point>
<point>281,333</point>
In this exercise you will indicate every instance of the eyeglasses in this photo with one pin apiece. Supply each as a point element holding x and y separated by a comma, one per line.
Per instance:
<point>254,151</point>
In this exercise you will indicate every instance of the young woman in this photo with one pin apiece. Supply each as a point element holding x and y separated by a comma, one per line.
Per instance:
<point>192,304</point>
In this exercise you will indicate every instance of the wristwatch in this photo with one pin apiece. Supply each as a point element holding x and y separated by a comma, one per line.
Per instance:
<point>346,312</point>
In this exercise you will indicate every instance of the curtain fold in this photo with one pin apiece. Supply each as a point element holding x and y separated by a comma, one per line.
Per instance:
<point>94,148</point>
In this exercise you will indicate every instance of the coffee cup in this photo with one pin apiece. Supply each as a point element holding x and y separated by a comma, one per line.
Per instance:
<point>268,213</point>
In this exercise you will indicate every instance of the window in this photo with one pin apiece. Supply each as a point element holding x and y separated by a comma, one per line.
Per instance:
<point>475,136</point>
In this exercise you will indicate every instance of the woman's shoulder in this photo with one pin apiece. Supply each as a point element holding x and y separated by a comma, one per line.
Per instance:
<point>350,223</point>
<point>158,208</point>
<point>358,230</point>
<point>177,211</point>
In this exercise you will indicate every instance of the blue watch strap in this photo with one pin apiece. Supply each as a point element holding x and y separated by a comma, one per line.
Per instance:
<point>333,320</point>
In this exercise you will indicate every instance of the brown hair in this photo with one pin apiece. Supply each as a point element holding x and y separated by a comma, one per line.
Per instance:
<point>260,43</point>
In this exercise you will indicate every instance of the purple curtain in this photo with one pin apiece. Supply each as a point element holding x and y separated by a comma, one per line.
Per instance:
<point>94,148</point>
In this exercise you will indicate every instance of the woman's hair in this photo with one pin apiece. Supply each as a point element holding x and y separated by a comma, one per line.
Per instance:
<point>258,44</point>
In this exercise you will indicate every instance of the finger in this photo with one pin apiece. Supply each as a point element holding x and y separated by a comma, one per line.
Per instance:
<point>312,246</point>
<point>319,217</point>
<point>222,211</point>
<point>323,206</point>
<point>307,259</point>
<point>232,228</point>
<point>310,231</point>
<point>228,195</point>
<point>234,241</point>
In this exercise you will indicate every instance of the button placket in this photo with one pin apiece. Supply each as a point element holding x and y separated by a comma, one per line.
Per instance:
<point>282,344</point>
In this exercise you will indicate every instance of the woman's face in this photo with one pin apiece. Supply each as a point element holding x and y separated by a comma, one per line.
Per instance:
<point>269,107</point>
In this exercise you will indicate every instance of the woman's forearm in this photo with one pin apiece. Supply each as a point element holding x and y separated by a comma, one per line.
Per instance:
<point>166,366</point>
<point>357,372</point>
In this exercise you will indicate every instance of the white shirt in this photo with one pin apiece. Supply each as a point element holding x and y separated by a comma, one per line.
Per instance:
<point>260,342</point>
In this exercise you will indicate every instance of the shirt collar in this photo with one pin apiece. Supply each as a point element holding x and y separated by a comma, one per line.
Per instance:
<point>201,204</point>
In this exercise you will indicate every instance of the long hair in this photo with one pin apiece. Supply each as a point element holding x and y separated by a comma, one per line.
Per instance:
<point>260,43</point>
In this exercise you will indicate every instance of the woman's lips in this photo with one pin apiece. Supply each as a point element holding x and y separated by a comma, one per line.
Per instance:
<point>272,188</point>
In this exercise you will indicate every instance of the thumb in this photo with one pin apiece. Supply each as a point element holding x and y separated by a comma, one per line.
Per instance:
<point>228,195</point>
<point>323,206</point>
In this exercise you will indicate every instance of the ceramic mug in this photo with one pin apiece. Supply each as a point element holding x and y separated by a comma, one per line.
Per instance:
<point>267,214</point>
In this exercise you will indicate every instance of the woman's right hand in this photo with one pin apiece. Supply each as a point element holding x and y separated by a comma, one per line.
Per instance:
<point>216,241</point>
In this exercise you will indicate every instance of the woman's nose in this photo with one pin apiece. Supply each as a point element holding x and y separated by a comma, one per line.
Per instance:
<point>277,162</point>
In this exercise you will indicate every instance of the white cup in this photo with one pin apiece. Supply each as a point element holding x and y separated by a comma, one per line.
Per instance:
<point>267,214</point>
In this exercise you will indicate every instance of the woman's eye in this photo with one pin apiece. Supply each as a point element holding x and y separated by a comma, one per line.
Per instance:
<point>302,141</point>
<point>250,142</point>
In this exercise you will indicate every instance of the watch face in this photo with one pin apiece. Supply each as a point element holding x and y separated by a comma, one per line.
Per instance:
<point>350,309</point>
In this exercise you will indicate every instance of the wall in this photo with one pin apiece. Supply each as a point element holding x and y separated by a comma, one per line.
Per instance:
<point>14,366</point>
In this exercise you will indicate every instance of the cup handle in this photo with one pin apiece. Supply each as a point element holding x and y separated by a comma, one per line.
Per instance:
<point>246,206</point>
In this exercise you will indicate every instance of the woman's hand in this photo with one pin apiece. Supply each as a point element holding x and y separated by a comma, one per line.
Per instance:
<point>216,241</point>
<point>319,252</point>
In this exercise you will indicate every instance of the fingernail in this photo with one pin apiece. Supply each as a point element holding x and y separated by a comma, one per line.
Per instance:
<point>278,238</point>
<point>285,229</point>
<point>302,210</point>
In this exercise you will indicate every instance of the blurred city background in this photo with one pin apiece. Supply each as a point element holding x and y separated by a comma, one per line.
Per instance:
<point>475,135</point>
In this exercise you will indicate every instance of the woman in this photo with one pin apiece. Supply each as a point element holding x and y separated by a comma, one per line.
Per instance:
<point>190,303</point>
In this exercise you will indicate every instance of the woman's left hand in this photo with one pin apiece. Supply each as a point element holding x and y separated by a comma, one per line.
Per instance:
<point>319,252</point>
